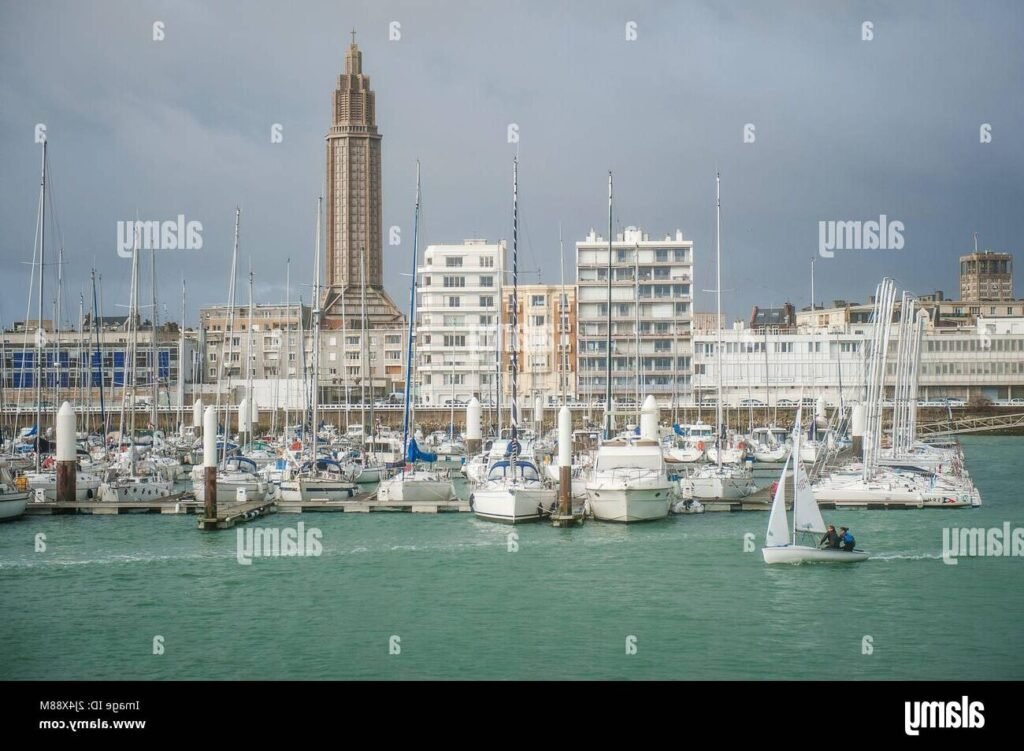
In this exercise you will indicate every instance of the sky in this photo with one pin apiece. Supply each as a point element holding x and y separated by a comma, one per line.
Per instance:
<point>911,110</point>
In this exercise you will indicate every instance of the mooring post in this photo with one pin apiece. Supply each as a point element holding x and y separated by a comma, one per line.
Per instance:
<point>210,463</point>
<point>67,474</point>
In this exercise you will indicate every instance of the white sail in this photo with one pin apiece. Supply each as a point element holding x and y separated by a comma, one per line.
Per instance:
<point>778,526</point>
<point>806,514</point>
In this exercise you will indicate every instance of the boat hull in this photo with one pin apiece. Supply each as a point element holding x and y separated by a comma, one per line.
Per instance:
<point>806,554</point>
<point>411,490</point>
<point>315,489</point>
<point>626,504</point>
<point>12,505</point>
<point>512,505</point>
<point>716,488</point>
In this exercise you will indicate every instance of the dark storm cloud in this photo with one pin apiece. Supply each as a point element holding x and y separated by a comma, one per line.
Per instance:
<point>845,129</point>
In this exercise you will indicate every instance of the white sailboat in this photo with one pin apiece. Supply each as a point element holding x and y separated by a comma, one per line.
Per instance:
<point>513,491</point>
<point>419,482</point>
<point>718,481</point>
<point>320,478</point>
<point>781,544</point>
<point>12,500</point>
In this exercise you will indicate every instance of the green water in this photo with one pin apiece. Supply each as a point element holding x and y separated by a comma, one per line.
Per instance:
<point>561,606</point>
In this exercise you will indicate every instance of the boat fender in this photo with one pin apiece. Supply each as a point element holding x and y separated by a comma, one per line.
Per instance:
<point>700,445</point>
<point>88,493</point>
<point>472,499</point>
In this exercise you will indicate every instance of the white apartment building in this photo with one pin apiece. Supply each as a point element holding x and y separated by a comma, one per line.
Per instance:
<point>457,313</point>
<point>651,314</point>
<point>772,367</point>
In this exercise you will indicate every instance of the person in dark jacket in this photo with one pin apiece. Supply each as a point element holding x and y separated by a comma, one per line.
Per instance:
<point>830,539</point>
<point>846,539</point>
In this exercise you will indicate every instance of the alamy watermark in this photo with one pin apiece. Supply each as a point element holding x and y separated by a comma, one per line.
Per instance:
<point>273,542</point>
<point>979,542</point>
<point>885,234</point>
<point>927,715</point>
<point>174,234</point>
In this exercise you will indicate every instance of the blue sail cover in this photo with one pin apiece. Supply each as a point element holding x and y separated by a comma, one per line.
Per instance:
<point>415,455</point>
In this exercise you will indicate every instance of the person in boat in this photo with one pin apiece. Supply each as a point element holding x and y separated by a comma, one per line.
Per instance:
<point>830,539</point>
<point>846,539</point>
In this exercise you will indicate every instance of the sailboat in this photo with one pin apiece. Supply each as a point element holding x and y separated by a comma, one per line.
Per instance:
<point>134,487</point>
<point>718,481</point>
<point>513,490</point>
<point>416,482</point>
<point>781,544</point>
<point>319,478</point>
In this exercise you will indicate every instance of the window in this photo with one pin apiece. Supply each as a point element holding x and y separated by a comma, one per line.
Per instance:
<point>426,281</point>
<point>784,347</point>
<point>393,355</point>
<point>661,256</point>
<point>455,281</point>
<point>486,320</point>
<point>536,320</point>
<point>393,339</point>
<point>455,340</point>
<point>487,262</point>
<point>454,302</point>
<point>453,262</point>
<point>213,357</point>
<point>536,301</point>
<point>486,301</point>
<point>352,341</point>
<point>662,345</point>
<point>454,320</point>
<point>456,379</point>
<point>487,281</point>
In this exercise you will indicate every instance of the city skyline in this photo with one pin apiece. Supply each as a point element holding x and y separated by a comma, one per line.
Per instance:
<point>170,138</point>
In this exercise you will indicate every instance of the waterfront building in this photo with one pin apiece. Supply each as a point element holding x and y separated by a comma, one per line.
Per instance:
<point>546,343</point>
<point>651,317</point>
<point>459,293</point>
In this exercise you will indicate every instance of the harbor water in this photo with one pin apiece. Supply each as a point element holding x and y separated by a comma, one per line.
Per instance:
<point>416,596</point>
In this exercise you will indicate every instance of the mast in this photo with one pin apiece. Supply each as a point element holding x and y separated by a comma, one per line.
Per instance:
<point>103,388</point>
<point>562,318</point>
<point>56,325</point>
<point>608,337</point>
<point>248,366</point>
<point>40,334</point>
<point>83,345</point>
<point>718,305</point>
<point>364,346</point>
<point>181,363</point>
<point>227,339</point>
<point>514,333</point>
<point>410,348</point>
<point>367,370</point>
<point>288,341</point>
<point>316,333</point>
<point>636,305</point>
<point>154,373</point>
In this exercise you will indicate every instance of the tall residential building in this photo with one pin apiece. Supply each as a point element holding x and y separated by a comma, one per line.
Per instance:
<point>986,277</point>
<point>354,243</point>
<point>459,291</point>
<point>651,314</point>
<point>546,342</point>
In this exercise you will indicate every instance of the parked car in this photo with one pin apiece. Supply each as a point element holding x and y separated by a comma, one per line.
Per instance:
<point>788,402</point>
<point>751,403</point>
